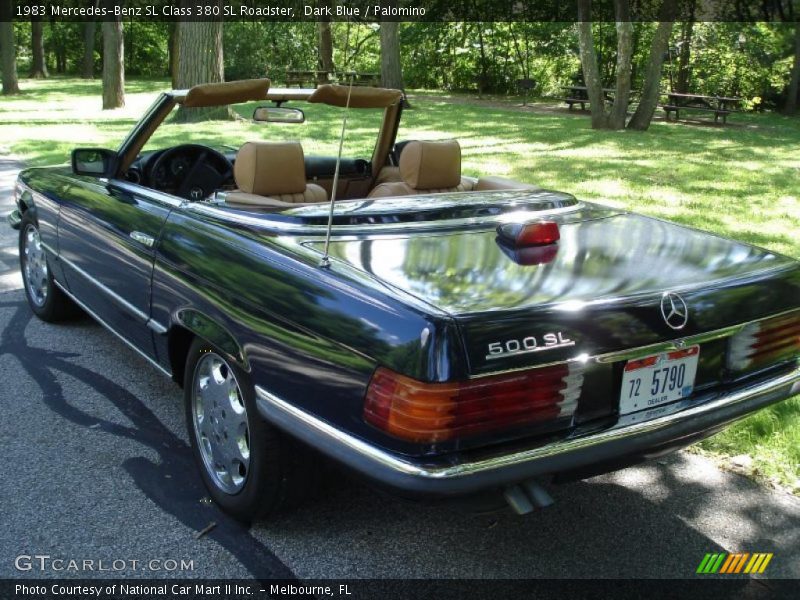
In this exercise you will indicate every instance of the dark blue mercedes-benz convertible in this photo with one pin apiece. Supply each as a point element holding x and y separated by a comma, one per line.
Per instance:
<point>437,333</point>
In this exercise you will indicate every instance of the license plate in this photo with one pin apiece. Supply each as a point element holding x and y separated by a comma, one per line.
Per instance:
<point>658,379</point>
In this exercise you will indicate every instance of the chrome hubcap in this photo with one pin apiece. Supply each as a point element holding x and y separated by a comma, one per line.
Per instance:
<point>220,423</point>
<point>34,265</point>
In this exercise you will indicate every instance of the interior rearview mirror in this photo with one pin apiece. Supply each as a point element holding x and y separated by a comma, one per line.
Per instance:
<point>95,162</point>
<point>278,114</point>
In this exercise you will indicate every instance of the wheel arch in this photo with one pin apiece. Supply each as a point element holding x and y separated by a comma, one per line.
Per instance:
<point>190,324</point>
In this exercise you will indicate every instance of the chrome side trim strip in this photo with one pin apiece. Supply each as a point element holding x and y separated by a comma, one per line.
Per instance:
<point>112,330</point>
<point>141,315</point>
<point>156,326</point>
<point>393,469</point>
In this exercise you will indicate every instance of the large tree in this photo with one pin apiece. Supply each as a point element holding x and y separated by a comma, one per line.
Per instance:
<point>606,115</point>
<point>391,71</point>
<point>113,65</point>
<point>684,54</point>
<point>651,90</point>
<point>200,61</point>
<point>792,99</point>
<point>38,65</point>
<point>8,51</point>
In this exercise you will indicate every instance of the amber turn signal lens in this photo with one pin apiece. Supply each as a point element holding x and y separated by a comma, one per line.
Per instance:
<point>429,412</point>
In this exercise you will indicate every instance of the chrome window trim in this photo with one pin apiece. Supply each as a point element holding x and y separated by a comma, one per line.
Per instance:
<point>372,228</point>
<point>148,193</point>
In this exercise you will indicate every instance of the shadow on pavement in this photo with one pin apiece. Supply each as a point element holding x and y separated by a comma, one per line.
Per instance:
<point>652,521</point>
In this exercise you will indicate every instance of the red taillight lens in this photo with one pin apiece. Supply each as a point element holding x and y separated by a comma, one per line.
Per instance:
<point>520,235</point>
<point>429,412</point>
<point>767,342</point>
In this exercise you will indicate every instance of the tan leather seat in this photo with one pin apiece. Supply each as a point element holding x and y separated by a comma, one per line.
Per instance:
<point>273,174</point>
<point>427,168</point>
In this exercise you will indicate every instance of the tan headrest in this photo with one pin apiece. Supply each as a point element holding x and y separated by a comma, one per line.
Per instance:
<point>360,97</point>
<point>431,165</point>
<point>270,168</point>
<point>229,92</point>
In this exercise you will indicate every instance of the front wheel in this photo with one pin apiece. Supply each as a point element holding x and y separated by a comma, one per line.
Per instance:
<point>46,300</point>
<point>250,469</point>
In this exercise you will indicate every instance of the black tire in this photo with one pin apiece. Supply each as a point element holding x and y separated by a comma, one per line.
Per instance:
<point>45,299</point>
<point>280,474</point>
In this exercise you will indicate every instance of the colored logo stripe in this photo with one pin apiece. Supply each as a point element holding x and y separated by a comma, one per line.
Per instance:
<point>741,562</point>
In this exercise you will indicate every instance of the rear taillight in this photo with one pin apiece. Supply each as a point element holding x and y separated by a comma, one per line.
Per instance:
<point>759,345</point>
<point>429,412</point>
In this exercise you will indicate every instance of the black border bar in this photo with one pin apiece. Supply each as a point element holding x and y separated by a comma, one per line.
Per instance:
<point>370,11</point>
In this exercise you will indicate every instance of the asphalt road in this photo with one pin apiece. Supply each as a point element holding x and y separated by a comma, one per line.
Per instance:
<point>96,465</point>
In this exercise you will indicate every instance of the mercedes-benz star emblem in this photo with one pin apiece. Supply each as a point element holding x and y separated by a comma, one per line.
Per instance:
<point>196,193</point>
<point>674,310</point>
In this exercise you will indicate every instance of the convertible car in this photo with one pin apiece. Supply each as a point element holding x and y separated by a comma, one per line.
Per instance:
<point>436,333</point>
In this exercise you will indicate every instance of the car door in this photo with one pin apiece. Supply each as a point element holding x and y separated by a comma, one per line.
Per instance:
<point>107,234</point>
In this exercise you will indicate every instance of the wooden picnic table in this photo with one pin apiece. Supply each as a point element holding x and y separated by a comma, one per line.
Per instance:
<point>721,106</point>
<point>579,94</point>
<point>304,78</point>
<point>318,77</point>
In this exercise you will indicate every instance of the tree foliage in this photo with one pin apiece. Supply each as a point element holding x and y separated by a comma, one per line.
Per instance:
<point>751,60</point>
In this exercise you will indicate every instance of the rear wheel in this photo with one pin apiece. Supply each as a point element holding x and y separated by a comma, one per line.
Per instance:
<point>46,300</point>
<point>250,469</point>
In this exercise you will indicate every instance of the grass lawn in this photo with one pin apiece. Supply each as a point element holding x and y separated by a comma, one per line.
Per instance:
<point>741,181</point>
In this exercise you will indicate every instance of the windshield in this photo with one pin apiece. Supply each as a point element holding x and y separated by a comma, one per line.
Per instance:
<point>319,134</point>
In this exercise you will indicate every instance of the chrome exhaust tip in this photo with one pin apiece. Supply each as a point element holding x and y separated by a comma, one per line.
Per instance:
<point>525,497</point>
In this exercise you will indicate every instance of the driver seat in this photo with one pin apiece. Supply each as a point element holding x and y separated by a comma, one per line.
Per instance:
<point>273,175</point>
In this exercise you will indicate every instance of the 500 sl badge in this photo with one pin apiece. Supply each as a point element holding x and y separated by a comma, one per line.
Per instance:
<point>527,345</point>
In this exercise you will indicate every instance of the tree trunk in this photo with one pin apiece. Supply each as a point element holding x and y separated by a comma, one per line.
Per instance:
<point>684,69</point>
<point>174,52</point>
<point>200,61</point>
<point>325,43</point>
<point>391,71</point>
<point>113,65</point>
<point>652,79</point>
<point>591,73</point>
<point>794,84</point>
<point>38,66</point>
<point>8,51</point>
<point>622,92</point>
<point>87,68</point>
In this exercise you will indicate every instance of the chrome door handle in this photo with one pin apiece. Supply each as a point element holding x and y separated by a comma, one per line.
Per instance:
<point>143,238</point>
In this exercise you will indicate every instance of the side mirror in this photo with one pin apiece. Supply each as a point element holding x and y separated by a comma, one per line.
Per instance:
<point>278,114</point>
<point>95,162</point>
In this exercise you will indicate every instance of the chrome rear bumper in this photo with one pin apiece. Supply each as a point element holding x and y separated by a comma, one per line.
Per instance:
<point>686,420</point>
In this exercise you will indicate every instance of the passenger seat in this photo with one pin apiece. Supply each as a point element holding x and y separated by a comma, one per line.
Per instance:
<point>427,168</point>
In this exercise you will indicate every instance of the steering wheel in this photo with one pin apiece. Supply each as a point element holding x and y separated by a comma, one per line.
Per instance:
<point>191,171</point>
